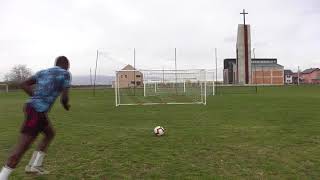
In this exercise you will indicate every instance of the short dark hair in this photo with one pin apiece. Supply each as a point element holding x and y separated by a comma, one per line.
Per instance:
<point>62,61</point>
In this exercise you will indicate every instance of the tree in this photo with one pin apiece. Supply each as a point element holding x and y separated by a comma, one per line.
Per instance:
<point>18,74</point>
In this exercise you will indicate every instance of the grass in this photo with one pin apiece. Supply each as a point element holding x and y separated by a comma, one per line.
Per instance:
<point>270,135</point>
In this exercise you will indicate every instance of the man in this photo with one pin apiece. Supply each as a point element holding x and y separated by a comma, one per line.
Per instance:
<point>48,84</point>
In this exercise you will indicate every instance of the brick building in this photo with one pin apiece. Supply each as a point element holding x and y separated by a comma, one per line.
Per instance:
<point>264,71</point>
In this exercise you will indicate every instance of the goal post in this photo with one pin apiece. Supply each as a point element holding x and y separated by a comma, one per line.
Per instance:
<point>4,88</point>
<point>148,87</point>
<point>211,84</point>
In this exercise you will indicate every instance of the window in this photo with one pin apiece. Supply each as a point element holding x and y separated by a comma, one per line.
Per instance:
<point>138,76</point>
<point>132,82</point>
<point>138,83</point>
<point>125,76</point>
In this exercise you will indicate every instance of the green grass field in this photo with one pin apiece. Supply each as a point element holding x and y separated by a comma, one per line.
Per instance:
<point>274,134</point>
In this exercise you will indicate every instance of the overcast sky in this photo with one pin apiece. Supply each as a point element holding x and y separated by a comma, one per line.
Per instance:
<point>34,32</point>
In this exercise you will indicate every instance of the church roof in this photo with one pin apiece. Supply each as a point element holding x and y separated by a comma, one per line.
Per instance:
<point>267,65</point>
<point>256,62</point>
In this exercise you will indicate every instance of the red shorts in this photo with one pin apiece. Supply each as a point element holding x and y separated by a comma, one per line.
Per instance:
<point>35,122</point>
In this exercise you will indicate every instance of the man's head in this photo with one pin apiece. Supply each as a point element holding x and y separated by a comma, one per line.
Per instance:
<point>62,62</point>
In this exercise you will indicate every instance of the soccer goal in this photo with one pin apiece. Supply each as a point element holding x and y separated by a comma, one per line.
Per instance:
<point>148,87</point>
<point>4,88</point>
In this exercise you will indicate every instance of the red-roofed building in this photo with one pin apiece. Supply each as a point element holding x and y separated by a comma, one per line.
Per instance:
<point>311,76</point>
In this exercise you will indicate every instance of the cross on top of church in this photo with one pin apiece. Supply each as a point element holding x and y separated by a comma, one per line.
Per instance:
<point>244,13</point>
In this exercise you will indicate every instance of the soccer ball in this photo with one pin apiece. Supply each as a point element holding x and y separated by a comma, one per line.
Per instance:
<point>158,131</point>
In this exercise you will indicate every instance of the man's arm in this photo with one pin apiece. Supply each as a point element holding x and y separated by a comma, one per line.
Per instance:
<point>64,99</point>
<point>27,85</point>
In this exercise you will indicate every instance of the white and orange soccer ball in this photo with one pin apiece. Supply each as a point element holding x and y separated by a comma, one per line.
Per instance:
<point>159,131</point>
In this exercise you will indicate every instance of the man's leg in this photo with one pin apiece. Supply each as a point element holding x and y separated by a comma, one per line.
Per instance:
<point>35,164</point>
<point>49,135</point>
<point>23,145</point>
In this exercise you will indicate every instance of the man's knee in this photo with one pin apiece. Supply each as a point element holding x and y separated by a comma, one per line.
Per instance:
<point>53,134</point>
<point>50,134</point>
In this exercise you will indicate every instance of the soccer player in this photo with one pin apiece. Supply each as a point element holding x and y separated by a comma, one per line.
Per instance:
<point>48,85</point>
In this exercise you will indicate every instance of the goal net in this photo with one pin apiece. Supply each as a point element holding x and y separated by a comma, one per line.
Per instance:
<point>147,87</point>
<point>4,88</point>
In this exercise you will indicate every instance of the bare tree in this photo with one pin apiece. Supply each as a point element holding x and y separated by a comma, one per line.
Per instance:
<point>18,74</point>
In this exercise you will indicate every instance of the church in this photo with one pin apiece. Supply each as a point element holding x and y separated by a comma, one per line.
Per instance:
<point>262,71</point>
<point>245,71</point>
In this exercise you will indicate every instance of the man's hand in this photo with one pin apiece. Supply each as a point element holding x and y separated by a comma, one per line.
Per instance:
<point>27,85</point>
<point>67,107</point>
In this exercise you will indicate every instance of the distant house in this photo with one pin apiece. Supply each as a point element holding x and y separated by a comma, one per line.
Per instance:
<point>295,78</point>
<point>311,76</point>
<point>128,77</point>
<point>288,76</point>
